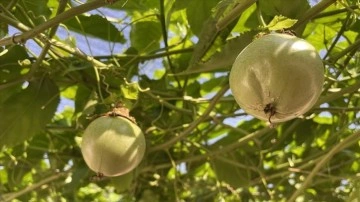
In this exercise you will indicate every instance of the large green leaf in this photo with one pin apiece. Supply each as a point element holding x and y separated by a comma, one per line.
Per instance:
<point>206,38</point>
<point>13,63</point>
<point>32,12</point>
<point>26,113</point>
<point>248,20</point>
<point>95,26</point>
<point>291,9</point>
<point>199,12</point>
<point>232,170</point>
<point>223,59</point>
<point>145,36</point>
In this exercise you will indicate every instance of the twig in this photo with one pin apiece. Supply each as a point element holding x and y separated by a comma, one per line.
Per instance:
<point>259,15</point>
<point>228,148</point>
<point>165,39</point>
<point>47,46</point>
<point>48,42</point>
<point>339,34</point>
<point>244,140</point>
<point>167,104</point>
<point>353,47</point>
<point>194,124</point>
<point>335,12</point>
<point>339,94</point>
<point>311,13</point>
<point>14,195</point>
<point>91,5</point>
<point>53,42</point>
<point>354,138</point>
<point>337,109</point>
<point>235,13</point>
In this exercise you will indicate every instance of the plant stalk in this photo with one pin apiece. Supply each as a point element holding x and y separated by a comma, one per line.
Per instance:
<point>21,38</point>
<point>311,13</point>
<point>235,13</point>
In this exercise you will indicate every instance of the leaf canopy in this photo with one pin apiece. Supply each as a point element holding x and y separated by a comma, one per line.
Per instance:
<point>63,63</point>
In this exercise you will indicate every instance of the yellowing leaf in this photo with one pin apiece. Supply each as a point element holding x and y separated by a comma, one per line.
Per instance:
<point>281,22</point>
<point>130,90</point>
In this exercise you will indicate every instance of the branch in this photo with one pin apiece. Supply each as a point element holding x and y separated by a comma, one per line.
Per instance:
<point>311,13</point>
<point>335,12</point>
<point>338,109</point>
<point>47,46</point>
<point>354,138</point>
<point>52,23</point>
<point>21,38</point>
<point>339,94</point>
<point>235,13</point>
<point>141,58</point>
<point>222,150</point>
<point>14,195</point>
<point>353,47</point>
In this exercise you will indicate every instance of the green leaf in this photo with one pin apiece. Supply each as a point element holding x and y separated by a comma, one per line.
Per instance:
<point>291,9</point>
<point>212,84</point>
<point>11,69</point>
<point>31,12</point>
<point>355,192</point>
<point>18,172</point>
<point>85,102</point>
<point>230,171</point>
<point>83,95</point>
<point>248,20</point>
<point>130,90</point>
<point>3,29</point>
<point>224,59</point>
<point>26,113</point>
<point>206,38</point>
<point>198,12</point>
<point>145,36</point>
<point>123,182</point>
<point>280,22</point>
<point>36,7</point>
<point>10,60</point>
<point>95,26</point>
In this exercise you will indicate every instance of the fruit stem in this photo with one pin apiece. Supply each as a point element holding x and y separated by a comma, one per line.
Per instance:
<point>271,110</point>
<point>259,15</point>
<point>120,110</point>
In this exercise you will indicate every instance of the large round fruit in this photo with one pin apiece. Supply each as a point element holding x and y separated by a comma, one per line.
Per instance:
<point>112,145</point>
<point>277,77</point>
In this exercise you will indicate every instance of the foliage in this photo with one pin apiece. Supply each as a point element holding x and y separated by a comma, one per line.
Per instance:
<point>168,62</point>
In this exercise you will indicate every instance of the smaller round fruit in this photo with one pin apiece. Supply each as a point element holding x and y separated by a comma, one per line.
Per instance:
<point>277,77</point>
<point>112,145</point>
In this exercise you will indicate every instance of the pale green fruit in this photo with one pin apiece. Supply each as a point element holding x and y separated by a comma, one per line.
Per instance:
<point>277,77</point>
<point>112,145</point>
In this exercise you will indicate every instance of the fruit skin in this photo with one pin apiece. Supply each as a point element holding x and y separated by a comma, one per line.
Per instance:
<point>277,77</point>
<point>113,145</point>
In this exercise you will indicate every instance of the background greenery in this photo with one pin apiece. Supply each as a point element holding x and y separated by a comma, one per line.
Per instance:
<point>168,62</point>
